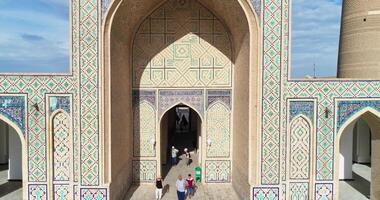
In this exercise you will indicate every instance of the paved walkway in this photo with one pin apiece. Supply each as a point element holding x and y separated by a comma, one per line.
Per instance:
<point>9,190</point>
<point>359,188</point>
<point>203,192</point>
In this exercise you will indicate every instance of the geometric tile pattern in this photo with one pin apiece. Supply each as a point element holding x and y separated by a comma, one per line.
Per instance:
<point>59,102</point>
<point>61,147</point>
<point>323,191</point>
<point>299,191</point>
<point>299,149</point>
<point>327,94</point>
<point>182,44</point>
<point>144,171</point>
<point>170,98</point>
<point>301,107</point>
<point>62,192</point>
<point>144,95</point>
<point>93,194</point>
<point>348,108</point>
<point>271,93</point>
<point>144,130</point>
<point>13,107</point>
<point>89,91</point>
<point>218,171</point>
<point>265,193</point>
<point>37,192</point>
<point>219,95</point>
<point>218,130</point>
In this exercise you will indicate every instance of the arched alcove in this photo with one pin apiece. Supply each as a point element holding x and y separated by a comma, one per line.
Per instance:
<point>343,167</point>
<point>122,24</point>
<point>180,127</point>
<point>13,159</point>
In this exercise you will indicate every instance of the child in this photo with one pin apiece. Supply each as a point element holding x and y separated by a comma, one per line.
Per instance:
<point>190,185</point>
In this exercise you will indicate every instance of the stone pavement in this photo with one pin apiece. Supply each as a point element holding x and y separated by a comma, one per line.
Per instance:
<point>359,188</point>
<point>9,190</point>
<point>203,192</point>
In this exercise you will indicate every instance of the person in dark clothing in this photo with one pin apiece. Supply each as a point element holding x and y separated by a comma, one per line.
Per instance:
<point>158,188</point>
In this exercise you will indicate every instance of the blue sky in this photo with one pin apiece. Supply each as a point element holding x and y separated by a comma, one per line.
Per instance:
<point>315,37</point>
<point>34,36</point>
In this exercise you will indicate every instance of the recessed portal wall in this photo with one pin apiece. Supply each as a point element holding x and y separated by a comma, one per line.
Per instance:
<point>228,67</point>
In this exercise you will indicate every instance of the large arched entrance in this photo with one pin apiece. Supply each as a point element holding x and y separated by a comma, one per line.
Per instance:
<point>358,156</point>
<point>203,53</point>
<point>11,161</point>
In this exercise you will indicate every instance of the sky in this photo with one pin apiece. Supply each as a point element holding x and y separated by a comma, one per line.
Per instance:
<point>34,36</point>
<point>315,37</point>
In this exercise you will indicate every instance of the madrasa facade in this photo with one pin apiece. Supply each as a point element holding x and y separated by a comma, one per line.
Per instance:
<point>96,131</point>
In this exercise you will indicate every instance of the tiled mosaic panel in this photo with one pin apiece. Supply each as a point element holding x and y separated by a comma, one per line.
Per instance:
<point>218,171</point>
<point>144,170</point>
<point>348,108</point>
<point>271,95</point>
<point>299,191</point>
<point>89,91</point>
<point>265,193</point>
<point>305,108</point>
<point>61,147</point>
<point>327,93</point>
<point>35,88</point>
<point>170,98</point>
<point>93,194</point>
<point>37,192</point>
<point>62,192</point>
<point>218,130</point>
<point>59,102</point>
<point>13,108</point>
<point>144,95</point>
<point>182,44</point>
<point>224,96</point>
<point>299,155</point>
<point>144,130</point>
<point>324,191</point>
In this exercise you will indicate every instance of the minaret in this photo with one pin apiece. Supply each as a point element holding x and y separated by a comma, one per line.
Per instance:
<point>359,52</point>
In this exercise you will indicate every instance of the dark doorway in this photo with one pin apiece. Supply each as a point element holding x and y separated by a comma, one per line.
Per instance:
<point>181,129</point>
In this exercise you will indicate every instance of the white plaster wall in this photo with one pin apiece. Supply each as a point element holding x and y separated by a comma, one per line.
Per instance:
<point>345,150</point>
<point>15,156</point>
<point>3,143</point>
<point>363,143</point>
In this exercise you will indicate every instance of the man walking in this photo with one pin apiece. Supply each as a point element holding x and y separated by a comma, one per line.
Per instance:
<point>174,155</point>
<point>181,186</point>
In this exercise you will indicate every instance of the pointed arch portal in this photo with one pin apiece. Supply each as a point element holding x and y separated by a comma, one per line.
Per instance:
<point>12,160</point>
<point>208,50</point>
<point>357,156</point>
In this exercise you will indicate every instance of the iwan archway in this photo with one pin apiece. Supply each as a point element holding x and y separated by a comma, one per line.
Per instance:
<point>12,160</point>
<point>361,183</point>
<point>158,54</point>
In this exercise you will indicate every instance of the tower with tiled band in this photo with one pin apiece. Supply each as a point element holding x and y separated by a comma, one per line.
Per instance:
<point>359,54</point>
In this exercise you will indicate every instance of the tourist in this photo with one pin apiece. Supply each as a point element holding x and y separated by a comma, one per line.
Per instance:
<point>187,156</point>
<point>174,155</point>
<point>158,188</point>
<point>190,186</point>
<point>181,185</point>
